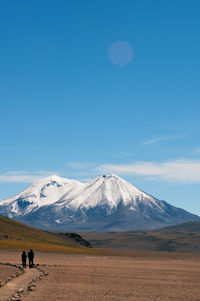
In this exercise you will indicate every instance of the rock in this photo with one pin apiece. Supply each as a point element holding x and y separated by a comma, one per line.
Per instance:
<point>16,296</point>
<point>30,288</point>
<point>20,290</point>
<point>77,238</point>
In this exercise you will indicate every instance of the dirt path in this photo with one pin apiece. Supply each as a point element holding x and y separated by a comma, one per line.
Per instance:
<point>10,288</point>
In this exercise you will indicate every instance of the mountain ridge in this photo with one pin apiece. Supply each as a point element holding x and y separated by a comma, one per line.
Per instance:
<point>105,203</point>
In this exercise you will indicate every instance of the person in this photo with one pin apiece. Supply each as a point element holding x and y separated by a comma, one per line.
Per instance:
<point>30,257</point>
<point>24,259</point>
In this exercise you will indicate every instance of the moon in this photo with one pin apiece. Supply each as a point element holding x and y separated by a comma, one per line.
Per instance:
<point>120,53</point>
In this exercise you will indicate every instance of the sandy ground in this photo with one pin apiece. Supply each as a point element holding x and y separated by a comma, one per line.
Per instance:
<point>6,271</point>
<point>86,278</point>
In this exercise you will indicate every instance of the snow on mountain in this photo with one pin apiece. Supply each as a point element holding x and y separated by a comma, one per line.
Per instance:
<point>106,203</point>
<point>44,192</point>
<point>106,191</point>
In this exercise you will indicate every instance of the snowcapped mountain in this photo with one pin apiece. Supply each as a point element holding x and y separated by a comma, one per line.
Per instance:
<point>42,193</point>
<point>106,203</point>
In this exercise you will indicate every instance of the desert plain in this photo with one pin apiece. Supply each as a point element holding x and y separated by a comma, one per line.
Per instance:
<point>138,276</point>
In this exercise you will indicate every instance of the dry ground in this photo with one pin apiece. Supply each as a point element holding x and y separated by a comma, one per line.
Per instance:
<point>140,277</point>
<point>21,282</point>
<point>6,271</point>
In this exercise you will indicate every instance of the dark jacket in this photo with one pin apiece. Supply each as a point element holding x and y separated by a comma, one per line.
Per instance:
<point>30,255</point>
<point>24,257</point>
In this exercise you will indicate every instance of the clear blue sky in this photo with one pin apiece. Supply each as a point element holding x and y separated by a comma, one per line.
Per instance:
<point>67,108</point>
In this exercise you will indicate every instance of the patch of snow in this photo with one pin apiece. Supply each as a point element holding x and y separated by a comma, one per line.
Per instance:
<point>57,221</point>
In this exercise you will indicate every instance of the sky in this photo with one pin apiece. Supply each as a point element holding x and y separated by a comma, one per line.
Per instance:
<point>94,87</point>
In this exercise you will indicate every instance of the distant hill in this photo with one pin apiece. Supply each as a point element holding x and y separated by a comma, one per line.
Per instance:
<point>17,236</point>
<point>190,227</point>
<point>180,238</point>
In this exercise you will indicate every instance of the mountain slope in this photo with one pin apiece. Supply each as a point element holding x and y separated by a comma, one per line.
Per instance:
<point>106,203</point>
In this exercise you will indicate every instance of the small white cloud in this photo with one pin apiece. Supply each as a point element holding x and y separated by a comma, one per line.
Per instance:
<point>164,138</point>
<point>180,170</point>
<point>20,176</point>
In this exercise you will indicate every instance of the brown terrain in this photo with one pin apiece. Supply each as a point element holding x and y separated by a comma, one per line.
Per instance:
<point>6,271</point>
<point>131,266</point>
<point>141,276</point>
<point>180,238</point>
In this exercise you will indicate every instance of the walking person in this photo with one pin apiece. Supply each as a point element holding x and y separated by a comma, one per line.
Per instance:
<point>24,256</point>
<point>31,257</point>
